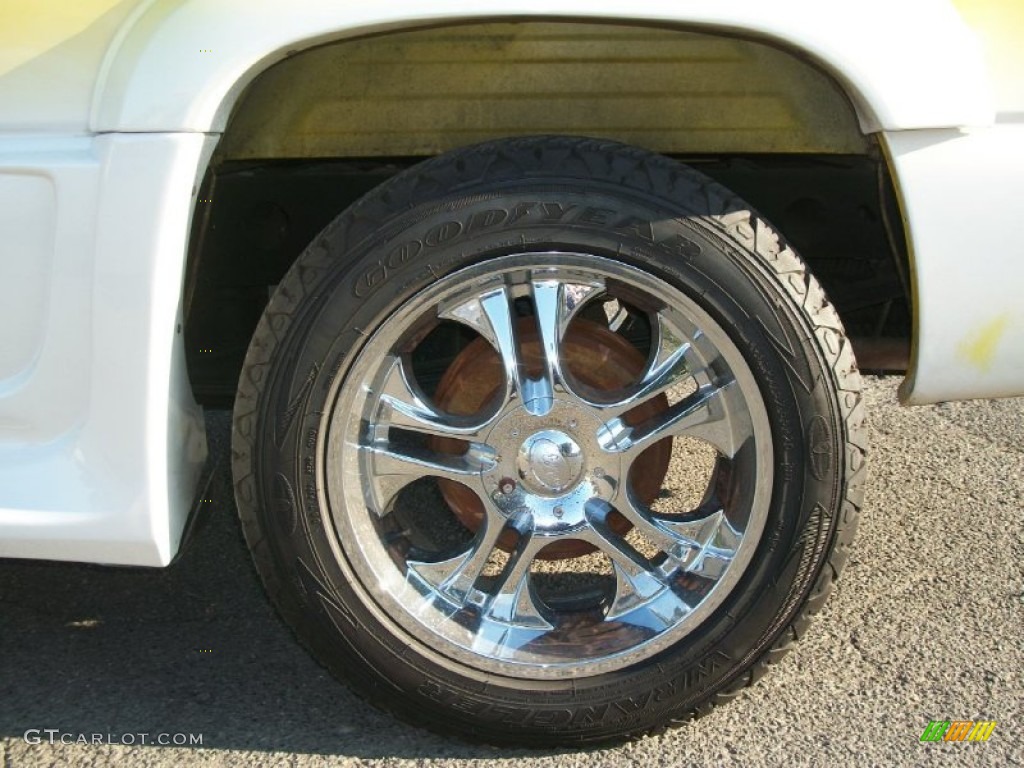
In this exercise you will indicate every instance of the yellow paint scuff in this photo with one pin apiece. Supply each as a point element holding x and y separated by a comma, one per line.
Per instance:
<point>979,347</point>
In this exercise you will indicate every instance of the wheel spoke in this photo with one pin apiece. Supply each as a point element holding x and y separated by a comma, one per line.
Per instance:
<point>551,322</point>
<point>670,365</point>
<point>716,539</point>
<point>555,304</point>
<point>674,543</point>
<point>455,577</point>
<point>709,414</point>
<point>637,583</point>
<point>490,314</point>
<point>392,468</point>
<point>703,546</point>
<point>404,406</point>
<point>512,600</point>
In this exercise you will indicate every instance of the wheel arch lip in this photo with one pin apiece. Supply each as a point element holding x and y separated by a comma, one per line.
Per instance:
<point>182,66</point>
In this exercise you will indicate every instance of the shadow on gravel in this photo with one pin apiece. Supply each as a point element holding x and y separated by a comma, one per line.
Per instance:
<point>195,648</point>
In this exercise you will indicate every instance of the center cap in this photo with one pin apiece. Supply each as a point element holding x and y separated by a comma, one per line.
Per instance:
<point>549,462</point>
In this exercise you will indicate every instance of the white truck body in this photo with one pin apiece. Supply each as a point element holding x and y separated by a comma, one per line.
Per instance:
<point>110,112</point>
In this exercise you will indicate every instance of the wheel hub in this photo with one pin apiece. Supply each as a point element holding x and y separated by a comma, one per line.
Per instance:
<point>549,462</point>
<point>545,478</point>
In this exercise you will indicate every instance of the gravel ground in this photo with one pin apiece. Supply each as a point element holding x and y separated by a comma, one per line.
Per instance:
<point>927,623</point>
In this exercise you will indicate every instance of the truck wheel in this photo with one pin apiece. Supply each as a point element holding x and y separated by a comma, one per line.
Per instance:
<point>548,441</point>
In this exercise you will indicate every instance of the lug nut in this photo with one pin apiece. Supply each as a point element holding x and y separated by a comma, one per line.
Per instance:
<point>559,512</point>
<point>507,485</point>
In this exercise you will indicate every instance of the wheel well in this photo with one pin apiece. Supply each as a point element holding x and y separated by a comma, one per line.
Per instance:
<point>317,131</point>
<point>424,92</point>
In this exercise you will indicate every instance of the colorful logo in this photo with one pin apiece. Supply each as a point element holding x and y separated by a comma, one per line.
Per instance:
<point>958,730</point>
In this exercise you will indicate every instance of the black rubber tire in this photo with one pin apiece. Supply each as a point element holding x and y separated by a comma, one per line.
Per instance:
<point>637,207</point>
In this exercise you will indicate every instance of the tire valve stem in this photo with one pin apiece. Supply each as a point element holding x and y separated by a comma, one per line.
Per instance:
<point>507,485</point>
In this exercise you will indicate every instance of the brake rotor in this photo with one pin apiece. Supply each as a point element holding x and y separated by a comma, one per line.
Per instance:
<point>598,358</point>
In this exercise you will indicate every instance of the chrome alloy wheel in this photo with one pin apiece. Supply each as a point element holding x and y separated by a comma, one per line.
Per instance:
<point>548,459</point>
